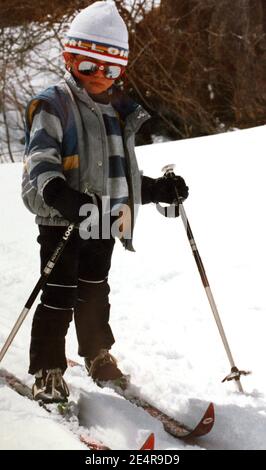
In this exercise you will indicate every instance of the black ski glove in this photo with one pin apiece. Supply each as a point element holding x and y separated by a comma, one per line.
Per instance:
<point>163,189</point>
<point>66,200</point>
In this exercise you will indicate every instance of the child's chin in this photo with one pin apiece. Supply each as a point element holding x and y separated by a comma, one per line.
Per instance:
<point>97,88</point>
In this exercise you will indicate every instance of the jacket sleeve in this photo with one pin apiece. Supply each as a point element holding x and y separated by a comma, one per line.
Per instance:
<point>43,153</point>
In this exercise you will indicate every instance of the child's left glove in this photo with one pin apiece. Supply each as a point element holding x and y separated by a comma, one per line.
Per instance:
<point>163,189</point>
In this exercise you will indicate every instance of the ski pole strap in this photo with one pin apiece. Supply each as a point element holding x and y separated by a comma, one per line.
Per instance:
<point>171,211</point>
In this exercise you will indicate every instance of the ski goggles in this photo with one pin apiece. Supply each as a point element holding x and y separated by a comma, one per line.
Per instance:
<point>87,68</point>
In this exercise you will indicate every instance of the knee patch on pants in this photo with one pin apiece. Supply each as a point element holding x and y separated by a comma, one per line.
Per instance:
<point>93,291</point>
<point>59,295</point>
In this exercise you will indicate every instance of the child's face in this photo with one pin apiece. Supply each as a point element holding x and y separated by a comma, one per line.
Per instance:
<point>95,82</point>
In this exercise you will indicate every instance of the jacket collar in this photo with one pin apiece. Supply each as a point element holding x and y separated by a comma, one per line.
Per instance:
<point>129,111</point>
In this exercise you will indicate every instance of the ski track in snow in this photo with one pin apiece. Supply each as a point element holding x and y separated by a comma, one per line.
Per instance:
<point>166,337</point>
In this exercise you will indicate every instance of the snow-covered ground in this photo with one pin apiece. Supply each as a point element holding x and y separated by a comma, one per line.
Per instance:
<point>166,336</point>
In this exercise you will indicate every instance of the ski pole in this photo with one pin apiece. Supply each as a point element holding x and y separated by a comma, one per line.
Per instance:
<point>40,284</point>
<point>235,373</point>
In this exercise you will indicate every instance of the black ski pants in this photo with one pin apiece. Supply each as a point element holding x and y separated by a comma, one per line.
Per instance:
<point>78,284</point>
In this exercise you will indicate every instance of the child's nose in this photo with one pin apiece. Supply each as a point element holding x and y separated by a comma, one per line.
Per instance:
<point>100,71</point>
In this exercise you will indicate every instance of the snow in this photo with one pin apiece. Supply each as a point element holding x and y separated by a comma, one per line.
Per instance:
<point>166,336</point>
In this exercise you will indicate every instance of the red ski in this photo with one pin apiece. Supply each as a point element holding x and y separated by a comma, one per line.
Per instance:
<point>18,386</point>
<point>96,445</point>
<point>171,425</point>
<point>177,429</point>
<point>92,444</point>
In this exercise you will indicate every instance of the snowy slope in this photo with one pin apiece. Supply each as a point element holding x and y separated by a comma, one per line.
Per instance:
<point>166,336</point>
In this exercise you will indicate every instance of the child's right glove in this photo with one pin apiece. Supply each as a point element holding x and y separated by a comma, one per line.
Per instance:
<point>66,200</point>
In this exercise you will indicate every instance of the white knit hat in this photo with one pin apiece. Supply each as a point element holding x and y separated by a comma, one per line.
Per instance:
<point>99,32</point>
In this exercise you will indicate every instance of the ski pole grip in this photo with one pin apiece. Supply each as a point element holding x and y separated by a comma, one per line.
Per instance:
<point>172,210</point>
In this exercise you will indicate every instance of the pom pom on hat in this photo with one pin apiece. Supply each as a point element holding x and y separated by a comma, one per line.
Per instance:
<point>99,32</point>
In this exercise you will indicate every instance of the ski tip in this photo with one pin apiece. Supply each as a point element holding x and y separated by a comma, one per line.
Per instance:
<point>206,423</point>
<point>210,412</point>
<point>149,443</point>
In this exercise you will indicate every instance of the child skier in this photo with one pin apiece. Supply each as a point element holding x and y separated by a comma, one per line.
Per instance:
<point>80,154</point>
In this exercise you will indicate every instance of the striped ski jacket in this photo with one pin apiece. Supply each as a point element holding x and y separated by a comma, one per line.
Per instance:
<point>74,146</point>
